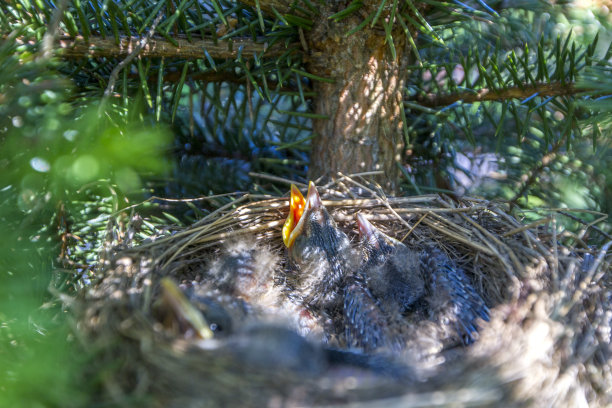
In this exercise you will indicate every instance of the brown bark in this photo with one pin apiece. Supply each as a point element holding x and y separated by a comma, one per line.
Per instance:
<point>363,131</point>
<point>282,6</point>
<point>159,47</point>
<point>484,95</point>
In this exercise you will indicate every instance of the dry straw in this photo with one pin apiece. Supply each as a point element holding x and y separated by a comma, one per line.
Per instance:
<point>548,342</point>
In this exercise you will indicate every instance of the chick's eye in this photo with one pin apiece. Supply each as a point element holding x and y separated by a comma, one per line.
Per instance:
<point>317,217</point>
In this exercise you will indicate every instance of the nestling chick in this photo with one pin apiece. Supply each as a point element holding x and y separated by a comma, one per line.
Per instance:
<point>320,253</point>
<point>408,281</point>
<point>246,270</point>
<point>392,270</point>
<point>387,283</point>
<point>258,345</point>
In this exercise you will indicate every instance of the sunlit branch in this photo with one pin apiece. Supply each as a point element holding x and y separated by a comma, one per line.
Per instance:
<point>483,95</point>
<point>158,47</point>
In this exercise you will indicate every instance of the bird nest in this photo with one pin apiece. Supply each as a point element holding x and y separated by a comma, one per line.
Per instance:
<point>547,342</point>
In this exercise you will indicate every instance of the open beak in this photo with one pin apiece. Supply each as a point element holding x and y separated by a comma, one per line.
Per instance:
<point>298,206</point>
<point>183,310</point>
<point>367,232</point>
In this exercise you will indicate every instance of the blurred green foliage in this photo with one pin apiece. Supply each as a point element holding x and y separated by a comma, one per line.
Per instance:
<point>62,165</point>
<point>536,151</point>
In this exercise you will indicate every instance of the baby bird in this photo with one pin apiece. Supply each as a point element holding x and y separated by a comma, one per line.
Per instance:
<point>257,344</point>
<point>387,283</point>
<point>249,274</point>
<point>320,254</point>
<point>246,270</point>
<point>405,281</point>
<point>391,269</point>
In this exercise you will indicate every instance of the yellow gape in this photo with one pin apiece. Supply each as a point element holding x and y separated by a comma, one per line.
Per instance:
<point>296,209</point>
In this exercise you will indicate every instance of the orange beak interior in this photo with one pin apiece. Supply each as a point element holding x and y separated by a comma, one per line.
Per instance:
<point>296,209</point>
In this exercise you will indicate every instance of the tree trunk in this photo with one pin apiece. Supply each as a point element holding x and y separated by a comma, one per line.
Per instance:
<point>363,131</point>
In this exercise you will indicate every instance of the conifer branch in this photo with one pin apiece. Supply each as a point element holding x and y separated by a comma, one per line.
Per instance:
<point>535,172</point>
<point>133,54</point>
<point>159,47</point>
<point>485,94</point>
<point>266,6</point>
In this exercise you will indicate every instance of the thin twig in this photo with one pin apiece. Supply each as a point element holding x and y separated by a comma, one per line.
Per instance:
<point>519,92</point>
<point>537,170</point>
<point>413,227</point>
<point>115,73</point>
<point>459,238</point>
<point>533,238</point>
<point>177,200</point>
<point>527,227</point>
<point>590,225</point>
<point>384,202</point>
<point>517,264</point>
<point>48,40</point>
<point>586,281</point>
<point>276,179</point>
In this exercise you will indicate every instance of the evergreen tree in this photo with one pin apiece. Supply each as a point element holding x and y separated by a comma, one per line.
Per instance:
<point>392,86</point>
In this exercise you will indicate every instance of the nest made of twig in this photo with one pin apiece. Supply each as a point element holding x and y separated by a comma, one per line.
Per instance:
<point>548,342</point>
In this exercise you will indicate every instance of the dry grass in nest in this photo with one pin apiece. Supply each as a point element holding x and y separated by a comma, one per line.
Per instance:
<point>548,342</point>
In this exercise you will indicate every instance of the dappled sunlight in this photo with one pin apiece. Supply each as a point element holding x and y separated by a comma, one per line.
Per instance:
<point>370,96</point>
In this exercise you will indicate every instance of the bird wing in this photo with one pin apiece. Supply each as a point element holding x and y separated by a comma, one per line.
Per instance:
<point>366,324</point>
<point>452,298</point>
